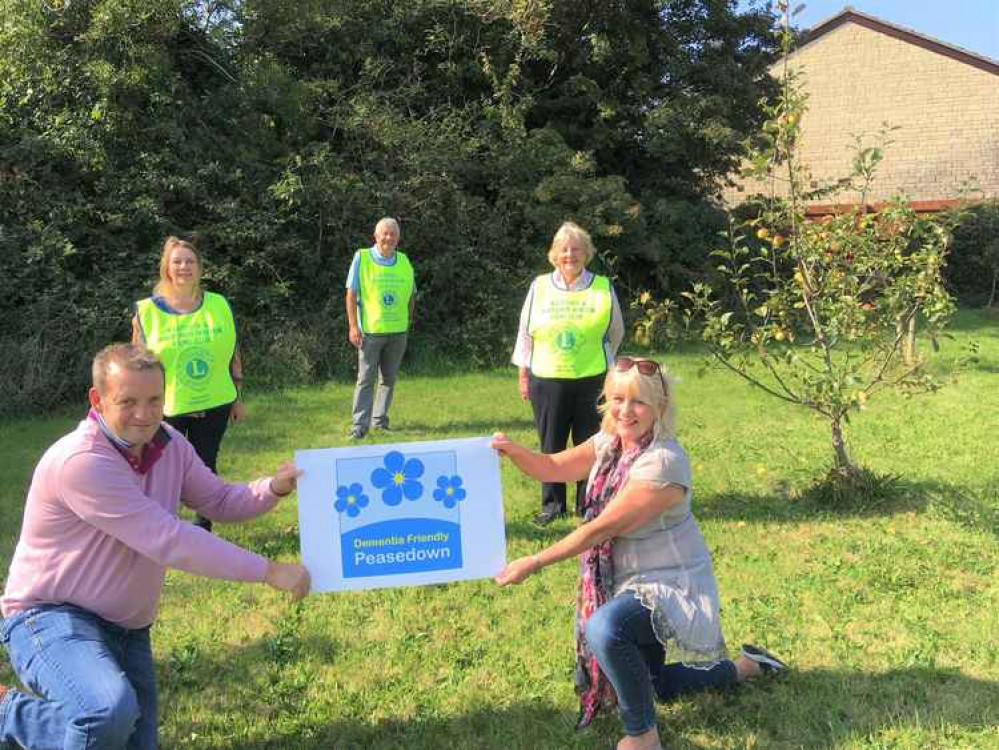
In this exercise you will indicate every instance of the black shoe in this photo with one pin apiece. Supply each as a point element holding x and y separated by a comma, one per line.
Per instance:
<point>769,664</point>
<point>383,428</point>
<point>356,434</point>
<point>204,523</point>
<point>545,517</point>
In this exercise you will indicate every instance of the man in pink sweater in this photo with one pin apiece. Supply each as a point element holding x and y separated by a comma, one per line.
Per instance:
<point>100,529</point>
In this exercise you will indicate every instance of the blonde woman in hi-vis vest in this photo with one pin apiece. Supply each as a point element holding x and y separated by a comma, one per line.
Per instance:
<point>193,333</point>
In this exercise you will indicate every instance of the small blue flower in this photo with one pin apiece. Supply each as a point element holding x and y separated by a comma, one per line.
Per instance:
<point>398,478</point>
<point>449,490</point>
<point>350,500</point>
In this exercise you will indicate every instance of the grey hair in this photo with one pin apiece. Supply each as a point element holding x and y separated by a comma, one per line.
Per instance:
<point>387,221</point>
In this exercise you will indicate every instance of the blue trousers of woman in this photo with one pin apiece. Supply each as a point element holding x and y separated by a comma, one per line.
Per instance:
<point>620,636</point>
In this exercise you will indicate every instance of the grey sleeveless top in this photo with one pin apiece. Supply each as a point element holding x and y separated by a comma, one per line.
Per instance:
<point>666,562</point>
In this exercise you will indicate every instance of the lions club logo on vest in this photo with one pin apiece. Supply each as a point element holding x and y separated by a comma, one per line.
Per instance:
<point>566,341</point>
<point>388,299</point>
<point>196,367</point>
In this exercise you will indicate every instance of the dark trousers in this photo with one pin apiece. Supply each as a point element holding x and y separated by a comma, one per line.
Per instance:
<point>204,430</point>
<point>563,407</point>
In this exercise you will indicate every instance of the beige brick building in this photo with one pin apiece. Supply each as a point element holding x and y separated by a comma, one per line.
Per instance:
<point>861,72</point>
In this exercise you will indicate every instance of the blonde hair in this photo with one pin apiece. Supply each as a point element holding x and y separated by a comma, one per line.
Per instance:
<point>133,357</point>
<point>570,230</point>
<point>656,390</point>
<point>164,287</point>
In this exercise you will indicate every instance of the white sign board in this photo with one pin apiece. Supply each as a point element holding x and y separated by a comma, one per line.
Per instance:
<point>407,514</point>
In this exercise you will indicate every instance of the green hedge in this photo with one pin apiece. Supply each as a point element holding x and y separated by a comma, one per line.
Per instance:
<point>974,254</point>
<point>275,134</point>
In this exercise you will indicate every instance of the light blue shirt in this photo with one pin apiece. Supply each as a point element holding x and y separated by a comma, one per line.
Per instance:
<point>355,265</point>
<point>354,284</point>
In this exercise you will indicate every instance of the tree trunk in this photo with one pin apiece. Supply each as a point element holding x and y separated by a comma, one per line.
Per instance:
<point>906,332</point>
<point>992,295</point>
<point>843,461</point>
<point>910,343</point>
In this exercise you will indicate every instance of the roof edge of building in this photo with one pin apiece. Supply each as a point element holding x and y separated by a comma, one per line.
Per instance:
<point>849,15</point>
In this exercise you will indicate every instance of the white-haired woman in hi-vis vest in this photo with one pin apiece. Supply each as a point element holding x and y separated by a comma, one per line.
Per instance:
<point>570,329</point>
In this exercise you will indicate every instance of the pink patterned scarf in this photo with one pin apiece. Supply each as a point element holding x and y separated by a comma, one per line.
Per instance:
<point>596,579</point>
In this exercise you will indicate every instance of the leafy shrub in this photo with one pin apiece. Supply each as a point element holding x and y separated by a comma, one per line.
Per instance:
<point>973,269</point>
<point>859,490</point>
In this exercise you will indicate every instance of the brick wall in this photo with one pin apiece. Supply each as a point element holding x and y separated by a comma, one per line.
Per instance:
<point>947,112</point>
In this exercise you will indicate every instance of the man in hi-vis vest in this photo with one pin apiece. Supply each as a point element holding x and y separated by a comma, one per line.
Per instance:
<point>380,293</point>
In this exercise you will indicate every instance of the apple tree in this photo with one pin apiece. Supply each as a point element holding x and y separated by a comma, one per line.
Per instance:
<point>817,312</point>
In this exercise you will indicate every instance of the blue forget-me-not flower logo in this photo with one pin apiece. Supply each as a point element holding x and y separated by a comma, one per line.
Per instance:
<point>397,479</point>
<point>449,490</point>
<point>350,499</point>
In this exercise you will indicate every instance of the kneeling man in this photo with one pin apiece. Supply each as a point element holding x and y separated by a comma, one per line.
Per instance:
<point>100,529</point>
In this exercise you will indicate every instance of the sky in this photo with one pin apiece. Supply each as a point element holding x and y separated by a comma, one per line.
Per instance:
<point>970,24</point>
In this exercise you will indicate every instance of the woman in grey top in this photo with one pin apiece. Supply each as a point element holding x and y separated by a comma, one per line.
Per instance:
<point>647,588</point>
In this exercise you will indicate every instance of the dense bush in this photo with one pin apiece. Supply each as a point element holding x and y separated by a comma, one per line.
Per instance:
<point>973,266</point>
<point>276,133</point>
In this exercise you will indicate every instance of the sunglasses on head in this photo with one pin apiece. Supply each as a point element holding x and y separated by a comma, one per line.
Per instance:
<point>645,366</point>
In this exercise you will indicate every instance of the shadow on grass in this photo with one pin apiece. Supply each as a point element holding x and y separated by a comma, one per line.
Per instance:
<point>782,508</point>
<point>973,509</point>
<point>976,509</point>
<point>256,437</point>
<point>271,680</point>
<point>525,529</point>
<point>276,544</point>
<point>975,320</point>
<point>473,426</point>
<point>519,727</point>
<point>983,368</point>
<point>827,708</point>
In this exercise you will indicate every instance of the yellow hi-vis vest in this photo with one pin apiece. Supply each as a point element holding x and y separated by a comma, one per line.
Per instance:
<point>385,293</point>
<point>196,349</point>
<point>568,328</point>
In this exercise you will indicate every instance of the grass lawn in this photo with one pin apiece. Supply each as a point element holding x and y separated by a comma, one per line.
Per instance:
<point>887,614</point>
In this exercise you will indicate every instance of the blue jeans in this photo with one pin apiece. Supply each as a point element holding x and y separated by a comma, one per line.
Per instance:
<point>621,638</point>
<point>94,682</point>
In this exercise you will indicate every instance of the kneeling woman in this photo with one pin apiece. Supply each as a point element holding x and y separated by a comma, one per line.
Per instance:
<point>646,580</point>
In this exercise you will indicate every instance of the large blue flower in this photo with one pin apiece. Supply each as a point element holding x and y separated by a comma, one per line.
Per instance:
<point>350,499</point>
<point>449,490</point>
<point>398,478</point>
